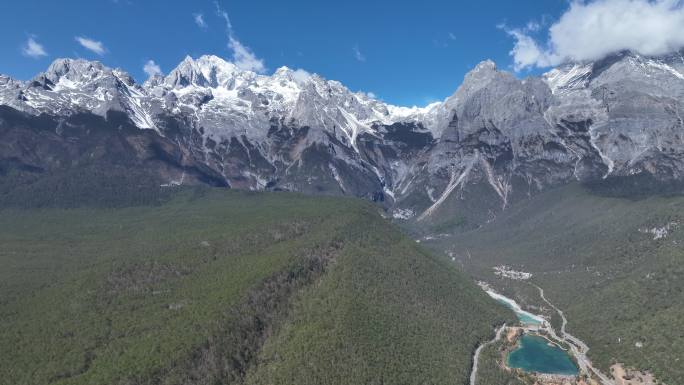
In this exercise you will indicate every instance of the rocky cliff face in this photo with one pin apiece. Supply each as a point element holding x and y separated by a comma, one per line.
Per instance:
<point>496,139</point>
<point>595,123</point>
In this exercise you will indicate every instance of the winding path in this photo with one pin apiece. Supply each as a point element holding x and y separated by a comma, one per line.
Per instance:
<point>478,351</point>
<point>577,346</point>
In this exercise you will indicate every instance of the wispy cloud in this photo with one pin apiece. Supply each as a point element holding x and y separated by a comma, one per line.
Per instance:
<point>151,68</point>
<point>452,36</point>
<point>91,45</point>
<point>358,54</point>
<point>199,20</point>
<point>592,29</point>
<point>301,75</point>
<point>526,52</point>
<point>33,49</point>
<point>243,57</point>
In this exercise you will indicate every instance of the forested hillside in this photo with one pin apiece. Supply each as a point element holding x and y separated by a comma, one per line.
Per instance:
<point>216,286</point>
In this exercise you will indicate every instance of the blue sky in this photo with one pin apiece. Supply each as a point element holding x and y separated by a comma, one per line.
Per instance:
<point>405,52</point>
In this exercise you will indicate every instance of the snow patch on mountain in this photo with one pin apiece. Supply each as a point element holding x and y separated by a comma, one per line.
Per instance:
<point>568,78</point>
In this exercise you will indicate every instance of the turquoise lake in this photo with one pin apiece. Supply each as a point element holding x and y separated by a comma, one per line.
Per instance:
<point>534,354</point>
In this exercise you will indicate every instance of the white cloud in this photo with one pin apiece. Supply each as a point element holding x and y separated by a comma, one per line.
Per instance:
<point>452,36</point>
<point>301,75</point>
<point>592,29</point>
<point>527,53</point>
<point>532,26</point>
<point>358,54</point>
<point>243,57</point>
<point>151,68</point>
<point>199,20</point>
<point>92,45</point>
<point>33,49</point>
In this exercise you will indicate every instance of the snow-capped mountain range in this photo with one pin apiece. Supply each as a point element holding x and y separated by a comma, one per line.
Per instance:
<point>209,88</point>
<point>292,130</point>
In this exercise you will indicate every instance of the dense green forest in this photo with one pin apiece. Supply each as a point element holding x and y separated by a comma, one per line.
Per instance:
<point>490,371</point>
<point>215,286</point>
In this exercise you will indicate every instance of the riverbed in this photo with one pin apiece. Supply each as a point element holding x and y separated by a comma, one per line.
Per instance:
<point>525,317</point>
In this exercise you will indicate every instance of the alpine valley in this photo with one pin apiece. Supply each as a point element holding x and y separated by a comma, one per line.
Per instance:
<point>562,191</point>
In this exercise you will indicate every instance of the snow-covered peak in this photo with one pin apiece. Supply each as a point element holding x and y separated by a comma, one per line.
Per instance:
<point>153,81</point>
<point>82,76</point>
<point>206,71</point>
<point>486,65</point>
<point>75,85</point>
<point>660,74</point>
<point>75,70</point>
<point>6,81</point>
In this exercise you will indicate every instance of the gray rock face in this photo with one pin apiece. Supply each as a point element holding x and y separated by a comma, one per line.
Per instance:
<point>641,130</point>
<point>497,135</point>
<point>593,122</point>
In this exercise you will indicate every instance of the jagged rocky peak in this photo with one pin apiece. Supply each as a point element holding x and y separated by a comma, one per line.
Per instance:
<point>494,109</point>
<point>6,80</point>
<point>485,75</point>
<point>124,77</point>
<point>474,80</point>
<point>67,75</point>
<point>78,85</point>
<point>207,71</point>
<point>483,67</point>
<point>75,70</point>
<point>299,76</point>
<point>153,81</point>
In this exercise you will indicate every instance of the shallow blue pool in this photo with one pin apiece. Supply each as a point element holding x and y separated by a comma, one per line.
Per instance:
<point>534,354</point>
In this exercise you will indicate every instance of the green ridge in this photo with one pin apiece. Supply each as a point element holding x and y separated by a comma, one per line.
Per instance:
<point>228,287</point>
